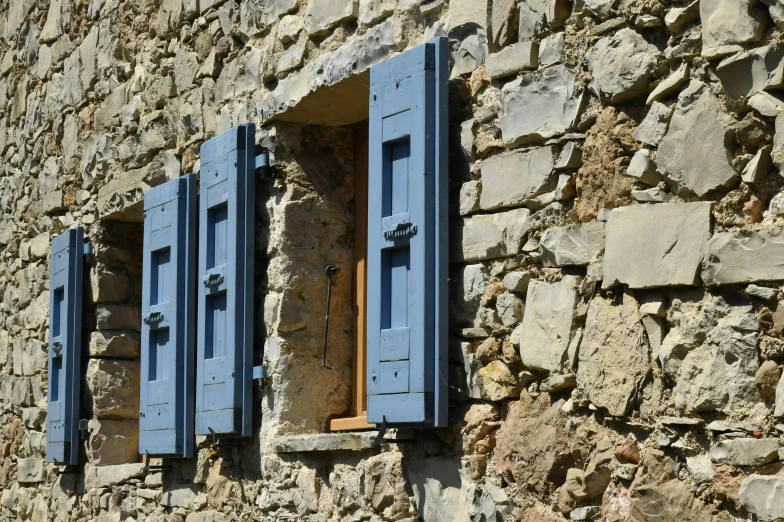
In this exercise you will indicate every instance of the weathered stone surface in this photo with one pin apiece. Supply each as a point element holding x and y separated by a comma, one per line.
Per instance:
<point>710,354</point>
<point>321,16</point>
<point>492,236</point>
<point>112,442</point>
<point>511,179</point>
<point>669,85</point>
<point>693,154</point>
<point>551,49</point>
<point>118,317</point>
<point>30,471</point>
<point>653,128</point>
<point>291,25</point>
<point>512,59</point>
<point>117,344</point>
<point>762,495</point>
<point>634,259</point>
<point>766,104</point>
<point>701,469</point>
<point>510,309</point>
<point>643,169</point>
<point>470,192</point>
<point>745,452</point>
<point>621,66</point>
<point>571,157</point>
<point>113,388</point>
<point>291,58</point>
<point>756,169</point>
<point>743,256</point>
<point>677,18</point>
<point>540,105</point>
<point>324,442</point>
<point>186,65</point>
<point>613,356</point>
<point>573,245</point>
<point>471,51</point>
<point>107,476</point>
<point>517,281</point>
<point>372,11</point>
<point>496,382</point>
<point>537,16</point>
<point>751,71</point>
<point>549,324</point>
<point>532,445</point>
<point>503,22</point>
<point>726,22</point>
<point>779,408</point>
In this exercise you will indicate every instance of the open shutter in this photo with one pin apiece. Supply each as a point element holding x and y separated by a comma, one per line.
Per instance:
<point>168,308</point>
<point>407,238</point>
<point>225,282</point>
<point>65,347</point>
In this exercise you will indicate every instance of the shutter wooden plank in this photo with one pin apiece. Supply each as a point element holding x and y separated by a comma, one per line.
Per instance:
<point>65,347</point>
<point>168,306</point>
<point>407,231</point>
<point>225,284</point>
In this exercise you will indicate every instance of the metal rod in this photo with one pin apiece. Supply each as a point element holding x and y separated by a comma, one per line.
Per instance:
<point>330,271</point>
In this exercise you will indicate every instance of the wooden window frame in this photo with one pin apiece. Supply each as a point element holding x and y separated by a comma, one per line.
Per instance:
<point>357,419</point>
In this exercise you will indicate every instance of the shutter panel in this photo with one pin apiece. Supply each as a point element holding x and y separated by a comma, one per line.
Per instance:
<point>168,309</point>
<point>407,238</point>
<point>225,284</point>
<point>65,347</point>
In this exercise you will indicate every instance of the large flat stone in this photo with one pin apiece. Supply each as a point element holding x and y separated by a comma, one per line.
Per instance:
<point>656,245</point>
<point>549,324</point>
<point>762,496</point>
<point>113,388</point>
<point>622,66</point>
<point>510,180</point>
<point>751,71</point>
<point>112,442</point>
<point>537,16</point>
<point>324,442</point>
<point>30,471</point>
<point>745,452</point>
<point>727,22</point>
<point>654,127</point>
<point>539,106</point>
<point>744,256</point>
<point>512,59</point>
<point>106,476</point>
<point>573,245</point>
<point>693,154</point>
<point>322,15</point>
<point>613,357</point>
<point>490,236</point>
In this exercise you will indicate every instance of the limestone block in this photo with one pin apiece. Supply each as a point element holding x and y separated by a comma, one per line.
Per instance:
<point>512,59</point>
<point>118,317</point>
<point>467,294</point>
<point>107,476</point>
<point>537,16</point>
<point>169,17</point>
<point>502,16</point>
<point>643,169</point>
<point>517,281</point>
<point>490,236</point>
<point>701,469</point>
<point>496,382</point>
<point>52,29</point>
<point>669,85</point>
<point>291,57</point>
<point>463,12</point>
<point>634,259</point>
<point>513,178</point>
<point>112,442</point>
<point>573,245</point>
<point>39,247</point>
<point>306,496</point>
<point>651,195</point>
<point>551,49</point>
<point>470,192</point>
<point>549,324</point>
<point>622,66</point>
<point>766,104</point>
<point>613,358</point>
<point>776,11</point>
<point>745,452</point>
<point>510,309</point>
<point>751,71</point>
<point>30,471</point>
<point>114,343</point>
<point>693,154</point>
<point>87,55</point>
<point>322,15</point>
<point>96,156</point>
<point>471,51</point>
<point>756,169</point>
<point>538,106</point>
<point>677,18</point>
<point>186,65</point>
<point>653,128</point>
<point>113,388</point>
<point>34,357</point>
<point>726,22</point>
<point>761,495</point>
<point>743,256</point>
<point>109,286</point>
<point>291,25</point>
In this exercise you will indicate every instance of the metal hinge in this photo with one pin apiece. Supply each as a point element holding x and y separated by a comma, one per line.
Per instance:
<point>84,431</point>
<point>260,374</point>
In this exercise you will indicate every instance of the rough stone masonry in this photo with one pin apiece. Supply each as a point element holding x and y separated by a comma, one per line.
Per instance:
<point>617,254</point>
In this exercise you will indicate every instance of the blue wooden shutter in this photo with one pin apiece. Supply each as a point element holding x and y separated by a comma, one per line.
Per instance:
<point>168,309</point>
<point>407,238</point>
<point>65,347</point>
<point>225,309</point>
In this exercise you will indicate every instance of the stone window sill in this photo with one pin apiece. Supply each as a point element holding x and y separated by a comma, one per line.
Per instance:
<point>325,442</point>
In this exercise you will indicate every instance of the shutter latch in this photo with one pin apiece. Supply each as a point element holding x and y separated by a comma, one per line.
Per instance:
<point>260,374</point>
<point>153,317</point>
<point>330,270</point>
<point>213,279</point>
<point>57,348</point>
<point>399,231</point>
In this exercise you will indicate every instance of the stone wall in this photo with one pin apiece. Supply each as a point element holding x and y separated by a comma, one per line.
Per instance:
<point>616,316</point>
